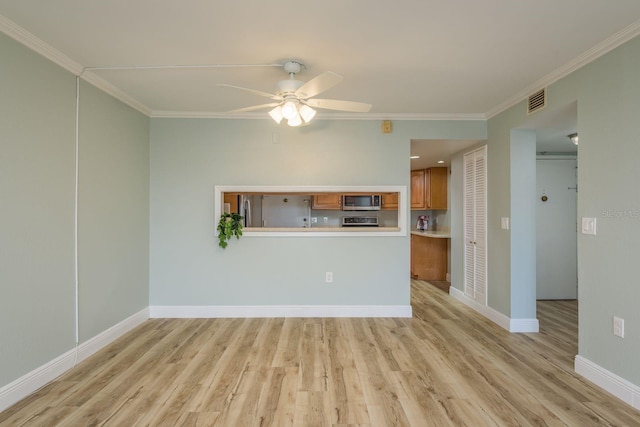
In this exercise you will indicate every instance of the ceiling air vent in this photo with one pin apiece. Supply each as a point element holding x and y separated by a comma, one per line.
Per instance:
<point>537,101</point>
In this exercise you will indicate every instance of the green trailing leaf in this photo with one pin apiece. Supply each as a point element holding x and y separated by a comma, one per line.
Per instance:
<point>229,225</point>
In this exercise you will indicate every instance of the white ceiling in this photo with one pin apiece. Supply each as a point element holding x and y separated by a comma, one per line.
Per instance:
<point>409,58</point>
<point>552,128</point>
<point>430,151</point>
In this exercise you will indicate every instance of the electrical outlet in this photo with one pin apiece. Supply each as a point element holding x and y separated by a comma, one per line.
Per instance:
<point>325,219</point>
<point>314,219</point>
<point>618,327</point>
<point>328,277</point>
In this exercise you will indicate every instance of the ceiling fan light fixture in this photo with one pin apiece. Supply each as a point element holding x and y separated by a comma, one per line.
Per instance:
<point>294,121</point>
<point>307,113</point>
<point>289,110</point>
<point>276,114</point>
<point>295,100</point>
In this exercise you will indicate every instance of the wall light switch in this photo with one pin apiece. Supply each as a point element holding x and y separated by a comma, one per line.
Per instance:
<point>589,226</point>
<point>504,223</point>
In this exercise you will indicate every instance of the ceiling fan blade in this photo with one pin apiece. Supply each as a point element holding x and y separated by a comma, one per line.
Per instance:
<point>336,104</point>
<point>253,91</point>
<point>318,84</point>
<point>254,107</point>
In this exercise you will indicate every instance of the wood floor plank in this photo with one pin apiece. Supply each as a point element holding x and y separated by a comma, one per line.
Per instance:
<point>446,366</point>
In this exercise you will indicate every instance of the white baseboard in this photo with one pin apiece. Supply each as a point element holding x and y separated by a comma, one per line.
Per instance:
<point>229,311</point>
<point>511,325</point>
<point>36,379</point>
<point>27,384</point>
<point>106,337</point>
<point>614,384</point>
<point>524,325</point>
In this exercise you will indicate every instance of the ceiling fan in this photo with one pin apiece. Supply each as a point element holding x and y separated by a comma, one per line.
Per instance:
<point>294,98</point>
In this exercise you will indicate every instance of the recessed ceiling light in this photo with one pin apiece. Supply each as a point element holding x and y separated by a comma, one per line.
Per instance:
<point>414,157</point>
<point>440,161</point>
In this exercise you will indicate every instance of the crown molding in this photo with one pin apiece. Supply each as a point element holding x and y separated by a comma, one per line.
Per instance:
<point>579,61</point>
<point>114,91</point>
<point>401,116</point>
<point>320,116</point>
<point>36,44</point>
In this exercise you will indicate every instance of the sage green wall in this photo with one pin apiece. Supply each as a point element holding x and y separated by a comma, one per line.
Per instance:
<point>522,225</point>
<point>113,225</point>
<point>607,92</point>
<point>190,156</point>
<point>499,205</point>
<point>608,177</point>
<point>37,193</point>
<point>37,116</point>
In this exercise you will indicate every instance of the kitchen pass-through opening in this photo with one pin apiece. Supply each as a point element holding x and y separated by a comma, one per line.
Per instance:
<point>345,210</point>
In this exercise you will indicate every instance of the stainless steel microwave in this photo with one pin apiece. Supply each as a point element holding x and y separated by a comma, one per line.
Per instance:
<point>368,202</point>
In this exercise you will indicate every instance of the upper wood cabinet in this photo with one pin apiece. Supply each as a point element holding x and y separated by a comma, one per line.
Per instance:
<point>390,201</point>
<point>418,189</point>
<point>436,188</point>
<point>327,201</point>
<point>429,189</point>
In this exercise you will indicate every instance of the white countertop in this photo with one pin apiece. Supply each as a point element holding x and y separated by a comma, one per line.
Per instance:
<point>432,234</point>
<point>311,229</point>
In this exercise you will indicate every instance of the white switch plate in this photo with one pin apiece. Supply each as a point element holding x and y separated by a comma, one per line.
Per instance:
<point>588,226</point>
<point>504,223</point>
<point>618,327</point>
<point>328,277</point>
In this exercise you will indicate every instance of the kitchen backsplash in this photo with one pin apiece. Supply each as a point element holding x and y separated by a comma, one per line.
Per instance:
<point>334,218</point>
<point>442,220</point>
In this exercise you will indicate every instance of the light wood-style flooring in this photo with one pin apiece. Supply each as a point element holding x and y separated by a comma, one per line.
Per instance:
<point>445,366</point>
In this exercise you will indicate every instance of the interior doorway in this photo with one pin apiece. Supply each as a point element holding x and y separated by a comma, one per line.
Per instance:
<point>556,228</point>
<point>430,153</point>
<point>556,203</point>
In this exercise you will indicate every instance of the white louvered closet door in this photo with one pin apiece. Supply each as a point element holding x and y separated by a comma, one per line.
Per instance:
<point>475,225</point>
<point>469,224</point>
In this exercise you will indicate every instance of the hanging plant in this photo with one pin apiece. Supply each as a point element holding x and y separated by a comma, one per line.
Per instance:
<point>230,225</point>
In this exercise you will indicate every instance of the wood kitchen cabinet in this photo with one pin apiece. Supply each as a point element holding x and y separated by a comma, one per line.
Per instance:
<point>428,258</point>
<point>436,188</point>
<point>327,201</point>
<point>429,189</point>
<point>417,189</point>
<point>232,199</point>
<point>390,201</point>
